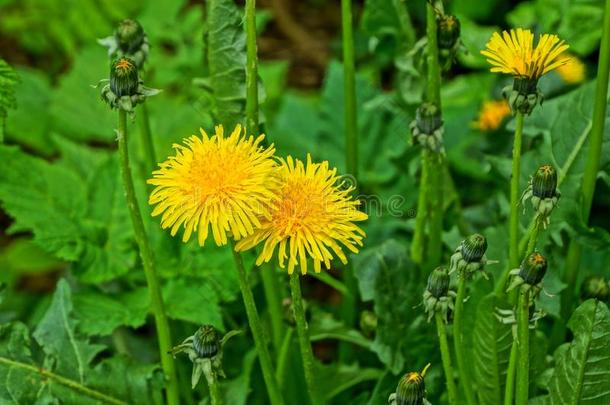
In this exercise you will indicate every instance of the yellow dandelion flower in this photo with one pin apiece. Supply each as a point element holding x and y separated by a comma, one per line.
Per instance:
<point>223,183</point>
<point>514,53</point>
<point>492,114</point>
<point>573,72</point>
<point>313,216</point>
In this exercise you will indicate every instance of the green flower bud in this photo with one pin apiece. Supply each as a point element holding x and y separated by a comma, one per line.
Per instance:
<point>124,77</point>
<point>438,282</point>
<point>544,182</point>
<point>206,342</point>
<point>474,247</point>
<point>595,287</point>
<point>524,95</point>
<point>411,389</point>
<point>428,118</point>
<point>448,31</point>
<point>533,269</point>
<point>368,323</point>
<point>129,36</point>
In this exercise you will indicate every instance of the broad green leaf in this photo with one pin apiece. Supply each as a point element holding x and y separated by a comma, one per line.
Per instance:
<point>582,367</point>
<point>492,340</point>
<point>236,391</point>
<point>385,276</point>
<point>324,326</point>
<point>226,61</point>
<point>62,368</point>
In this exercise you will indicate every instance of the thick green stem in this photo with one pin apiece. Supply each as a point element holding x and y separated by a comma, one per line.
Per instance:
<point>446,356</point>
<point>509,391</point>
<point>215,397</point>
<point>66,382</point>
<point>303,334</point>
<point>251,69</point>
<point>523,342</point>
<point>417,245</point>
<point>592,162</point>
<point>533,236</point>
<point>146,140</point>
<point>154,289</point>
<point>513,225</point>
<point>349,90</point>
<point>256,327</point>
<point>458,329</point>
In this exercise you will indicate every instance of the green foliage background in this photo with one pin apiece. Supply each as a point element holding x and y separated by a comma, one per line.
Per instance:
<point>75,300</point>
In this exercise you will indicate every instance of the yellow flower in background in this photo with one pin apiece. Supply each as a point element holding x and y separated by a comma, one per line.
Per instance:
<point>573,72</point>
<point>492,114</point>
<point>514,53</point>
<point>225,184</point>
<point>313,216</point>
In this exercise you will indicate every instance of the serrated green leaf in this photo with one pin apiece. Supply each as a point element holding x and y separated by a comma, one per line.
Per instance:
<point>493,341</point>
<point>582,367</point>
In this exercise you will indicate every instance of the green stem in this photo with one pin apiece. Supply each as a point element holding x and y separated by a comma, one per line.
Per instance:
<point>304,341</point>
<point>215,397</point>
<point>274,304</point>
<point>434,69</point>
<point>146,139</point>
<point>275,396</point>
<point>417,245</point>
<point>349,90</point>
<point>251,69</point>
<point>533,236</point>
<point>446,356</point>
<point>509,392</point>
<point>523,360</point>
<point>458,328</point>
<point>283,357</point>
<point>593,159</point>
<point>66,382</point>
<point>154,289</point>
<point>513,226</point>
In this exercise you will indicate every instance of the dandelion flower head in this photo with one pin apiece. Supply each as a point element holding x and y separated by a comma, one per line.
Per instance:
<point>225,184</point>
<point>313,217</point>
<point>514,53</point>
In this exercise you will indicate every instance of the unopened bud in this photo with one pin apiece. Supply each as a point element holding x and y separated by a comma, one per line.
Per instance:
<point>130,36</point>
<point>533,269</point>
<point>448,28</point>
<point>544,182</point>
<point>438,282</point>
<point>428,118</point>
<point>206,342</point>
<point>474,248</point>
<point>124,77</point>
<point>411,389</point>
<point>595,287</point>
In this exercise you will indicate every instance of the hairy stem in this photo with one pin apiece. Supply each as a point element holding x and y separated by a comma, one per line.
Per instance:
<point>417,244</point>
<point>215,397</point>
<point>509,391</point>
<point>66,382</point>
<point>303,334</point>
<point>523,360</point>
<point>154,289</point>
<point>256,327</point>
<point>458,329</point>
<point>446,356</point>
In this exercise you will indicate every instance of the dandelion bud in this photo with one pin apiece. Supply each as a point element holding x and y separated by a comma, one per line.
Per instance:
<point>368,323</point>
<point>427,128</point>
<point>533,268</point>
<point>124,77</point>
<point>129,36</point>
<point>411,389</point>
<point>544,182</point>
<point>595,287</point>
<point>474,247</point>
<point>206,342</point>
<point>448,31</point>
<point>438,282</point>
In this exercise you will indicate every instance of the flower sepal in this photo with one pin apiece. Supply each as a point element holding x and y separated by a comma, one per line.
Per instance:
<point>530,274</point>
<point>437,296</point>
<point>204,350</point>
<point>543,193</point>
<point>448,33</point>
<point>411,389</point>
<point>469,257</point>
<point>523,96</point>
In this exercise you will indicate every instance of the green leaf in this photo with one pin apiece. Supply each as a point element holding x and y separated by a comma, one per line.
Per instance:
<point>226,62</point>
<point>8,80</point>
<point>323,326</point>
<point>582,367</point>
<point>63,369</point>
<point>385,276</point>
<point>236,391</point>
<point>492,341</point>
<point>337,378</point>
